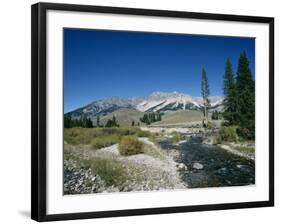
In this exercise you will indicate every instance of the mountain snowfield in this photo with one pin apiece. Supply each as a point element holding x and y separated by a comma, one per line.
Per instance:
<point>156,102</point>
<point>159,101</point>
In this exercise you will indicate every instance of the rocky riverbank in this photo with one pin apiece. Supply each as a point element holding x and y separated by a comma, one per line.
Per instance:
<point>239,150</point>
<point>105,170</point>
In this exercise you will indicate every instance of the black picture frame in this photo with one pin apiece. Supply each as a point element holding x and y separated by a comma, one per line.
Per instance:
<point>38,108</point>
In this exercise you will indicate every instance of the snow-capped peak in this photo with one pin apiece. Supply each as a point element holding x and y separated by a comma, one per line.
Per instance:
<point>157,101</point>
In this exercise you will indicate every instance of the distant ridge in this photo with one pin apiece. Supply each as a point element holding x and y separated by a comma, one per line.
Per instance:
<point>156,102</point>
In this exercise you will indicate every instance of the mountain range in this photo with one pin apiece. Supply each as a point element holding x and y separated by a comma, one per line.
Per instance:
<point>156,102</point>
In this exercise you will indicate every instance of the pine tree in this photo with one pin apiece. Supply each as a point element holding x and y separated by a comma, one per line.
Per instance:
<point>245,86</point>
<point>89,123</point>
<point>230,98</point>
<point>98,121</point>
<point>205,92</point>
<point>67,121</point>
<point>215,115</point>
<point>145,119</point>
<point>112,122</point>
<point>80,123</point>
<point>109,123</point>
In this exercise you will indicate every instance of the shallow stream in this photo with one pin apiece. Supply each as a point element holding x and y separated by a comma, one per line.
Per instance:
<point>211,166</point>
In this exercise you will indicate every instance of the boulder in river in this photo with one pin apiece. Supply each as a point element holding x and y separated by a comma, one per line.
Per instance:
<point>198,166</point>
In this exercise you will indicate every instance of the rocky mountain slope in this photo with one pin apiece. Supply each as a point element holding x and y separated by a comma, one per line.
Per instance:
<point>156,102</point>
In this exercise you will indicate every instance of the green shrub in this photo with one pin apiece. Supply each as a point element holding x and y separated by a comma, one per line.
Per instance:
<point>246,133</point>
<point>153,151</point>
<point>210,125</point>
<point>130,145</point>
<point>227,134</point>
<point>104,141</point>
<point>177,137</point>
<point>109,170</point>
<point>218,140</point>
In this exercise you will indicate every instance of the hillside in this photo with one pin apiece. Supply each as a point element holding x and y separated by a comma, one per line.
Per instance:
<point>124,117</point>
<point>182,116</point>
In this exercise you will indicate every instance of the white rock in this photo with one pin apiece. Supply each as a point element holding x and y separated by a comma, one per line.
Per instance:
<point>198,166</point>
<point>181,166</point>
<point>239,166</point>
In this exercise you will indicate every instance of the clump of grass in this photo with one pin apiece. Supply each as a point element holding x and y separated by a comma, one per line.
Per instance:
<point>227,134</point>
<point>152,151</point>
<point>110,171</point>
<point>176,137</point>
<point>104,141</point>
<point>210,125</point>
<point>130,145</point>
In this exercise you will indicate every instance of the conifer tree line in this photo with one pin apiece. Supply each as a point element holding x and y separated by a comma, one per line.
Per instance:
<point>86,122</point>
<point>239,101</point>
<point>83,122</point>
<point>112,122</point>
<point>134,124</point>
<point>151,117</point>
<point>216,115</point>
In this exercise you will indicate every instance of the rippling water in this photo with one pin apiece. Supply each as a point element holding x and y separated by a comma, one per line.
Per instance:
<point>220,168</point>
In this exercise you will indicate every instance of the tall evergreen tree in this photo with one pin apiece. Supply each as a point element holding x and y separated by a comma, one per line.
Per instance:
<point>205,92</point>
<point>230,98</point>
<point>67,121</point>
<point>89,123</point>
<point>112,122</point>
<point>98,121</point>
<point>245,86</point>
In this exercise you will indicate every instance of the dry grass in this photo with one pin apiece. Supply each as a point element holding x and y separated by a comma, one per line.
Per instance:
<point>130,145</point>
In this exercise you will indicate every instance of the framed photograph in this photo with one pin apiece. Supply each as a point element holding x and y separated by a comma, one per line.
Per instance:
<point>138,111</point>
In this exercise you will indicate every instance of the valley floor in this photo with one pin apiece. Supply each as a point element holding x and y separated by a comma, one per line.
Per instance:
<point>172,158</point>
<point>105,170</point>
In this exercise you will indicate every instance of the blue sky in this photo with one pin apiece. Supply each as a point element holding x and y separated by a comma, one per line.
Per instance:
<point>100,63</point>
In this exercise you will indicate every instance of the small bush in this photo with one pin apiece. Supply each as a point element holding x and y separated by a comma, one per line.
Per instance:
<point>210,125</point>
<point>177,137</point>
<point>130,145</point>
<point>110,171</point>
<point>153,151</point>
<point>227,134</point>
<point>104,141</point>
<point>218,140</point>
<point>246,133</point>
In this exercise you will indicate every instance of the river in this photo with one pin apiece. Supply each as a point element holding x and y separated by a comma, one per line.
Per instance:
<point>220,168</point>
